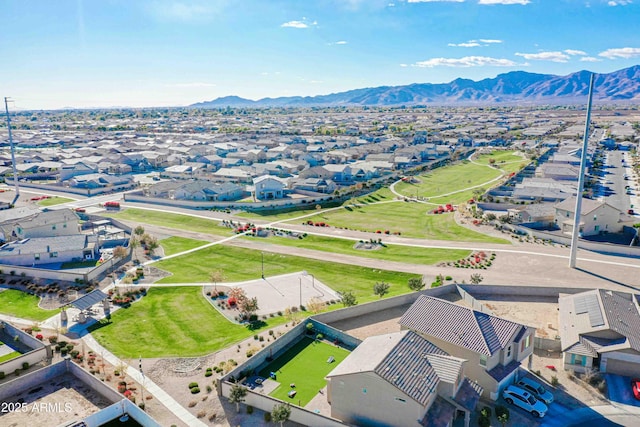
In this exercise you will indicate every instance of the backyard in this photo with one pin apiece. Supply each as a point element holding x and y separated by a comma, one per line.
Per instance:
<point>7,353</point>
<point>171,322</point>
<point>55,200</point>
<point>20,304</point>
<point>241,264</point>
<point>305,365</point>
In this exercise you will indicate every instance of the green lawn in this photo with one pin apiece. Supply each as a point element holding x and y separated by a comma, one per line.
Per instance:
<point>397,253</point>
<point>54,201</point>
<point>20,304</point>
<point>78,264</point>
<point>9,356</point>
<point>171,322</point>
<point>241,264</point>
<point>171,220</point>
<point>410,219</point>
<point>174,245</point>
<point>305,365</point>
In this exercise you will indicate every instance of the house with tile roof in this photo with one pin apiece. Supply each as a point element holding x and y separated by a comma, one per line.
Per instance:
<point>595,217</point>
<point>493,347</point>
<point>600,329</point>
<point>400,379</point>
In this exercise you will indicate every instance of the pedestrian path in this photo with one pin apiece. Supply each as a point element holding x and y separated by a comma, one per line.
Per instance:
<point>153,389</point>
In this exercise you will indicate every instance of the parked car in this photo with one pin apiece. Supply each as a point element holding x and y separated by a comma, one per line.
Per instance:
<point>514,395</point>
<point>635,387</point>
<point>631,212</point>
<point>535,388</point>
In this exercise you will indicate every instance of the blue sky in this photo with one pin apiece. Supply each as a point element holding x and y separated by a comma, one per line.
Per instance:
<point>84,53</point>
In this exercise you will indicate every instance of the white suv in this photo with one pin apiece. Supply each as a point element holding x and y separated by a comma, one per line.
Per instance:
<point>522,398</point>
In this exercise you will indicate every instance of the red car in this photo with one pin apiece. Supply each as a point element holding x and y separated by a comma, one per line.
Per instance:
<point>635,387</point>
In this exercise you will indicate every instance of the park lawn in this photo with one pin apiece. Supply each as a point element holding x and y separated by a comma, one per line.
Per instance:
<point>449,179</point>
<point>499,156</point>
<point>409,218</point>
<point>173,245</point>
<point>305,365</point>
<point>20,304</point>
<point>55,200</point>
<point>170,322</point>
<point>172,220</point>
<point>240,264</point>
<point>398,253</point>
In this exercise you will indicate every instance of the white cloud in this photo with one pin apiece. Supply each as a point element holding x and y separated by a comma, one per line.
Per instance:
<point>490,41</point>
<point>467,61</point>
<point>622,52</point>
<point>590,59</point>
<point>545,56</point>
<point>573,52</point>
<point>294,24</point>
<point>522,2</point>
<point>619,3</point>
<point>341,42</point>
<point>434,1</point>
<point>191,85</point>
<point>404,65</point>
<point>470,43</point>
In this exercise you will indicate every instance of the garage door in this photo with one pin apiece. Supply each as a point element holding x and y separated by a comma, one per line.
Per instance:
<point>622,367</point>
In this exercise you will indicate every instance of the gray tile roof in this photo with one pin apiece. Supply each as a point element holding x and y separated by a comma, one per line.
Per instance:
<point>439,414</point>
<point>46,244</point>
<point>461,326</point>
<point>500,372</point>
<point>622,315</point>
<point>468,394</point>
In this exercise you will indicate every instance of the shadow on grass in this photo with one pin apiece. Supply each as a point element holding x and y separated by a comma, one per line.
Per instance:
<point>285,358</point>
<point>258,324</point>
<point>99,324</point>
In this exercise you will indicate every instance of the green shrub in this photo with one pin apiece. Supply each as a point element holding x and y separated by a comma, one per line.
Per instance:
<point>195,390</point>
<point>267,417</point>
<point>1,375</point>
<point>502,410</point>
<point>208,374</point>
<point>192,385</point>
<point>249,409</point>
<point>554,381</point>
<point>17,372</point>
<point>25,366</point>
<point>485,412</point>
<point>484,422</point>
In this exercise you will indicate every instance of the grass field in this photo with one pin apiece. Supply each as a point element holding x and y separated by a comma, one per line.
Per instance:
<point>54,201</point>
<point>174,245</point>
<point>241,264</point>
<point>78,264</point>
<point>410,219</point>
<point>389,252</point>
<point>19,304</point>
<point>171,322</point>
<point>305,365</point>
<point>9,356</point>
<point>171,220</point>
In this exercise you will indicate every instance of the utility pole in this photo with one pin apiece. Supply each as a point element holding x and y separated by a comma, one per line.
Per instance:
<point>13,151</point>
<point>583,164</point>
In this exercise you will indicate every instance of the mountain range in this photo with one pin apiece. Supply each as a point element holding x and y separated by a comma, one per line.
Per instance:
<point>516,87</point>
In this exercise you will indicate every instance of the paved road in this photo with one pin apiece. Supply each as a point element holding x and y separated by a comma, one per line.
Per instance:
<point>615,194</point>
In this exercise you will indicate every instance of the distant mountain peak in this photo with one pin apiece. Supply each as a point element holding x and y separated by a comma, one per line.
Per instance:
<point>506,88</point>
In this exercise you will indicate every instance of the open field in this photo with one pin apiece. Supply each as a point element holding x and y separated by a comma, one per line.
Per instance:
<point>388,252</point>
<point>410,219</point>
<point>54,201</point>
<point>20,304</point>
<point>241,264</point>
<point>305,365</point>
<point>173,245</point>
<point>171,322</point>
<point>171,220</point>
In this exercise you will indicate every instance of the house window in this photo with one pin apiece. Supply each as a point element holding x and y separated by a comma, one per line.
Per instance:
<point>509,351</point>
<point>527,341</point>
<point>64,225</point>
<point>567,214</point>
<point>53,227</point>
<point>53,254</point>
<point>364,391</point>
<point>36,256</point>
<point>483,360</point>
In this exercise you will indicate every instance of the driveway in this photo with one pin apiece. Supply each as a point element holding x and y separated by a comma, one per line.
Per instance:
<point>619,389</point>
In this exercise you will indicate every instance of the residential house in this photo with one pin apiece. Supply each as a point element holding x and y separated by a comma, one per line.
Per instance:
<point>595,218</point>
<point>61,222</point>
<point>400,379</point>
<point>47,250</point>
<point>103,181</point>
<point>600,330</point>
<point>535,215</point>
<point>268,187</point>
<point>493,347</point>
<point>188,170</point>
<point>207,191</point>
<point>316,185</point>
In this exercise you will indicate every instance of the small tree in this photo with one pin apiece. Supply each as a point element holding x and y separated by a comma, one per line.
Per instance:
<point>119,252</point>
<point>134,243</point>
<point>476,278</point>
<point>138,231</point>
<point>416,283</point>
<point>248,306</point>
<point>217,276</point>
<point>281,413</point>
<point>503,418</point>
<point>381,289</point>
<point>348,298</point>
<point>152,244</point>
<point>237,395</point>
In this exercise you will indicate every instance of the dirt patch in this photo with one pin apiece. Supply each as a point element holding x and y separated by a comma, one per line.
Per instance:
<point>541,315</point>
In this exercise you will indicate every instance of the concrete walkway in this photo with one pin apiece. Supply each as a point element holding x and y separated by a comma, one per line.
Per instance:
<point>159,394</point>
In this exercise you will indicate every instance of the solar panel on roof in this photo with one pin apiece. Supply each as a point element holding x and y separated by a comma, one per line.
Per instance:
<point>589,304</point>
